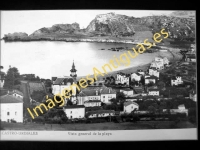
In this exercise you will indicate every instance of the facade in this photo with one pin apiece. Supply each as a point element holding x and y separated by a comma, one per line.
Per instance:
<point>122,78</point>
<point>74,111</point>
<point>154,72</point>
<point>153,92</point>
<point>88,95</point>
<point>100,113</point>
<point>107,94</point>
<point>11,108</point>
<point>176,81</point>
<point>135,77</point>
<point>130,106</point>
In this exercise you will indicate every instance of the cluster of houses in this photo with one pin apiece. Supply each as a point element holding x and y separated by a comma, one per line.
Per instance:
<point>95,96</point>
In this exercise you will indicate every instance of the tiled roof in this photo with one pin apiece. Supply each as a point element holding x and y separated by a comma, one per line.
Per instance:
<point>74,106</point>
<point>129,103</point>
<point>10,99</point>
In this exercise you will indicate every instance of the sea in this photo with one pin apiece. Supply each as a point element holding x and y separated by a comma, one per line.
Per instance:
<point>48,59</point>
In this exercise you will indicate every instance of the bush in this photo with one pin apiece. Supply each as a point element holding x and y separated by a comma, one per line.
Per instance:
<point>192,119</point>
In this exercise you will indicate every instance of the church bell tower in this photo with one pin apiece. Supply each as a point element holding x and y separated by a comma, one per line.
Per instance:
<point>73,71</point>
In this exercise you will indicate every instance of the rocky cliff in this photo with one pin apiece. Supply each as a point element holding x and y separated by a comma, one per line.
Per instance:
<point>121,25</point>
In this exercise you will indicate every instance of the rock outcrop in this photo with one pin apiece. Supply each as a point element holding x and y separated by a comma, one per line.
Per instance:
<point>57,28</point>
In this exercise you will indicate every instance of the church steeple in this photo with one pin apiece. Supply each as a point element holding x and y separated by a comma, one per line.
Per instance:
<point>73,70</point>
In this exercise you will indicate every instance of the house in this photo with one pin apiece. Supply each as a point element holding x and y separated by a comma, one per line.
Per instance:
<point>107,94</point>
<point>2,79</point>
<point>135,77</point>
<point>122,78</point>
<point>130,106</point>
<point>150,79</point>
<point>176,80</point>
<point>153,92</point>
<point>154,72</point>
<point>74,111</point>
<point>100,113</point>
<point>11,108</point>
<point>157,65</point>
<point>62,83</point>
<point>127,92</point>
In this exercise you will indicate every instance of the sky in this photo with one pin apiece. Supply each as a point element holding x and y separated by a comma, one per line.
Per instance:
<point>30,21</point>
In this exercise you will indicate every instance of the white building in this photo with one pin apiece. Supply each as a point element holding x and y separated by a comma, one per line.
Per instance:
<point>130,106</point>
<point>122,78</point>
<point>11,108</point>
<point>181,109</point>
<point>135,77</point>
<point>176,81</point>
<point>74,111</point>
<point>153,92</point>
<point>154,72</point>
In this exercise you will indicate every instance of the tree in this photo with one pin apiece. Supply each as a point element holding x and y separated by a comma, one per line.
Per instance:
<point>12,78</point>
<point>38,95</point>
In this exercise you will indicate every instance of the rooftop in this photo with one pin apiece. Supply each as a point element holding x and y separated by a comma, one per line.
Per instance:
<point>10,99</point>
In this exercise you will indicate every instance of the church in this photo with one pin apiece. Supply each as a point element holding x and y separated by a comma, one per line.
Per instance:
<point>61,83</point>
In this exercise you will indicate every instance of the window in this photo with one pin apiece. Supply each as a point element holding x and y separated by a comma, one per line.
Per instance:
<point>132,107</point>
<point>71,112</point>
<point>71,117</point>
<point>8,113</point>
<point>103,96</point>
<point>15,113</point>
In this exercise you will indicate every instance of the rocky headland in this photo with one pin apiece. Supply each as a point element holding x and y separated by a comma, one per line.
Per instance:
<point>117,28</point>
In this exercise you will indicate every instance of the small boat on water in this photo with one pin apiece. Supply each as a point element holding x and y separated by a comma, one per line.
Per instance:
<point>102,49</point>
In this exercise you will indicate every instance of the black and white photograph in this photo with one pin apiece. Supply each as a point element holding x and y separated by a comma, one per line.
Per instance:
<point>98,75</point>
